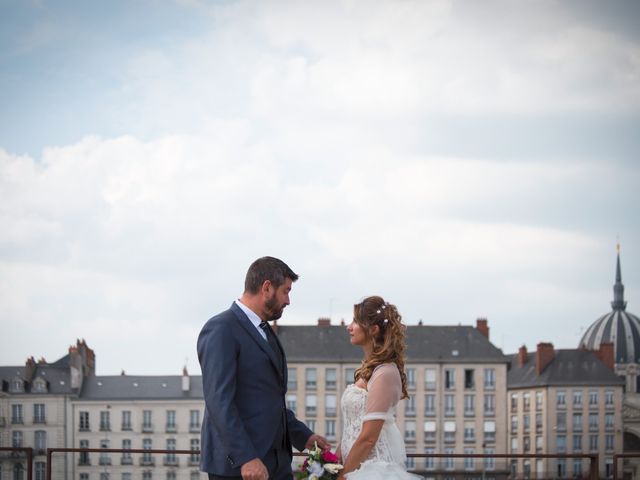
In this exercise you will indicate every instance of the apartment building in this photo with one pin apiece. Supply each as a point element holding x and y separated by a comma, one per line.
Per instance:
<point>457,382</point>
<point>564,401</point>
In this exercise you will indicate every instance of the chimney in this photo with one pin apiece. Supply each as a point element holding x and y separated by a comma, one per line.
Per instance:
<point>483,327</point>
<point>605,354</point>
<point>185,380</point>
<point>324,322</point>
<point>523,356</point>
<point>29,369</point>
<point>544,356</point>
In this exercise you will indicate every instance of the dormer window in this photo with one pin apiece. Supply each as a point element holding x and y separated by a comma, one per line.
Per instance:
<point>39,386</point>
<point>16,385</point>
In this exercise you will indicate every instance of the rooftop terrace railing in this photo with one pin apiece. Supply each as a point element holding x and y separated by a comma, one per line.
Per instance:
<point>29,453</point>
<point>592,473</point>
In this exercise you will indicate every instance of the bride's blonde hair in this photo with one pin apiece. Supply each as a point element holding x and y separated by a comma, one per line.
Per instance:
<point>388,342</point>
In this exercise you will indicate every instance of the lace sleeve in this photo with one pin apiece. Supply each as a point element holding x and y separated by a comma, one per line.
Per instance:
<point>385,390</point>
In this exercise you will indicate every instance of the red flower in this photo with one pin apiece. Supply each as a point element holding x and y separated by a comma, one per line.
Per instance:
<point>304,466</point>
<point>329,457</point>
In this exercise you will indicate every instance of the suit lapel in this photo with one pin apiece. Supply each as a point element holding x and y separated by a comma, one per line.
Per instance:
<point>253,333</point>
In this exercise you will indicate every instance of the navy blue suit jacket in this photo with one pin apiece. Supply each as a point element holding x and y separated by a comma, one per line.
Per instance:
<point>244,395</point>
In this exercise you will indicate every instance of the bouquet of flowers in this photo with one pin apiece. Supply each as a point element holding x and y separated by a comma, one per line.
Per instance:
<point>319,465</point>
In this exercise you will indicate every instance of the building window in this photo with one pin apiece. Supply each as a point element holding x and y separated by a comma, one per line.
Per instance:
<point>430,431</point>
<point>84,456</point>
<point>40,471</point>
<point>84,422</point>
<point>194,444</point>
<point>16,414</point>
<point>311,424</point>
<point>469,462</point>
<point>18,472</point>
<point>526,423</point>
<point>514,444</point>
<point>17,385</point>
<point>310,405</point>
<point>489,378</point>
<point>561,421</point>
<point>126,476</point>
<point>104,476</point>
<point>489,404</point>
<point>40,441</point>
<point>577,398</point>
<point>85,476</point>
<point>526,401</point>
<point>349,374</point>
<point>194,420</point>
<point>577,468</point>
<point>147,475</point>
<point>514,402</point>
<point>429,462</point>
<point>105,424</point>
<point>330,409</point>
<point>126,420</point>
<point>105,458</point>
<point>469,432</point>
<point>311,378</point>
<point>39,386</point>
<point>561,399</point>
<point>449,405</point>
<point>126,456</point>
<point>608,398</point>
<point>292,378</point>
<point>430,379</point>
<point>449,379</point>
<point>577,443</point>
<point>469,405</point>
<point>449,432</point>
<point>410,406</point>
<point>171,421</point>
<point>490,431</point>
<point>561,468</point>
<point>448,461</point>
<point>526,444</point>
<point>39,413</point>
<point>330,429</point>
<point>593,443</point>
<point>469,380</point>
<point>593,422</point>
<point>16,439</point>
<point>409,431</point>
<point>331,379</point>
<point>561,443</point>
<point>489,462</point>
<point>429,405</point>
<point>608,421</point>
<point>593,399</point>
<point>411,377</point>
<point>146,457</point>
<point>577,422</point>
<point>538,400</point>
<point>609,442</point>
<point>538,422</point>
<point>291,402</point>
<point>147,425</point>
<point>171,475</point>
<point>170,458</point>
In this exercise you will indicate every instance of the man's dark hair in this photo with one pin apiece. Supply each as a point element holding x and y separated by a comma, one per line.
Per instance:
<point>267,268</point>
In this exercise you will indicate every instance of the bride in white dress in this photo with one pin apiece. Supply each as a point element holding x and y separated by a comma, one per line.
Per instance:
<point>372,447</point>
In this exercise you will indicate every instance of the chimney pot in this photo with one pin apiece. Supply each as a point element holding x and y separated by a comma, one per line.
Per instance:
<point>483,327</point>
<point>324,322</point>
<point>544,356</point>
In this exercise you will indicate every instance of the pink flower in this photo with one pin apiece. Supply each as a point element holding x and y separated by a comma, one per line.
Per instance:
<point>329,457</point>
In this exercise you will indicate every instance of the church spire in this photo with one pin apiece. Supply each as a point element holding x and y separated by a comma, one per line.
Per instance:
<point>618,288</point>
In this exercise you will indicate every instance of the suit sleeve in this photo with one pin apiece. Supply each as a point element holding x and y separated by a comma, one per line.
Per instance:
<point>217,354</point>
<point>299,433</point>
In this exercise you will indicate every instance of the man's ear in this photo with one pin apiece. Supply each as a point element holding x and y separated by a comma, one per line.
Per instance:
<point>265,289</point>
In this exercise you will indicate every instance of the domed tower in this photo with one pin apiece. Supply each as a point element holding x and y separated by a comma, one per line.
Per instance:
<point>623,330</point>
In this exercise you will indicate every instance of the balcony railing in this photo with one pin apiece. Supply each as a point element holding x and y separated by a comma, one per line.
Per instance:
<point>487,464</point>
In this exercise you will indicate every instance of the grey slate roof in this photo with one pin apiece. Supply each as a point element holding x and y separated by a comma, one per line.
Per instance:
<point>429,344</point>
<point>58,379</point>
<point>568,367</point>
<point>124,387</point>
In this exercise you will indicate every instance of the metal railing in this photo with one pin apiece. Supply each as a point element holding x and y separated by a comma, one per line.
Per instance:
<point>618,456</point>
<point>592,474</point>
<point>28,451</point>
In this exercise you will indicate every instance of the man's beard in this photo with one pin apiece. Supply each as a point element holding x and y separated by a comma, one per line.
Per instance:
<point>273,309</point>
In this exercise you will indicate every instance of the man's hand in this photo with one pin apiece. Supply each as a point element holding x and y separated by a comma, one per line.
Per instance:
<point>321,441</point>
<point>254,470</point>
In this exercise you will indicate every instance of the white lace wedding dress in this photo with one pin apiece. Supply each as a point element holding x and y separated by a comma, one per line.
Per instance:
<point>377,402</point>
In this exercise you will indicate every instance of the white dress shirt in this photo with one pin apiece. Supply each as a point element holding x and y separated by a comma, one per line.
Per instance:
<point>253,317</point>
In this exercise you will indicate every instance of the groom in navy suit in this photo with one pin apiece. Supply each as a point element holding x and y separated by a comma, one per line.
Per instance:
<point>247,431</point>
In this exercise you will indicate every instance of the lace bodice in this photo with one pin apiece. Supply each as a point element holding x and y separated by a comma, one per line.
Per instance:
<point>376,403</point>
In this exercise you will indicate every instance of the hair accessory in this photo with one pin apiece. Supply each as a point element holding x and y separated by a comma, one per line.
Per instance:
<point>384,305</point>
<point>385,321</point>
<point>378,311</point>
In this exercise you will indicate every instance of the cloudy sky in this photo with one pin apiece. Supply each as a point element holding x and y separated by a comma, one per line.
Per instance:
<point>463,159</point>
